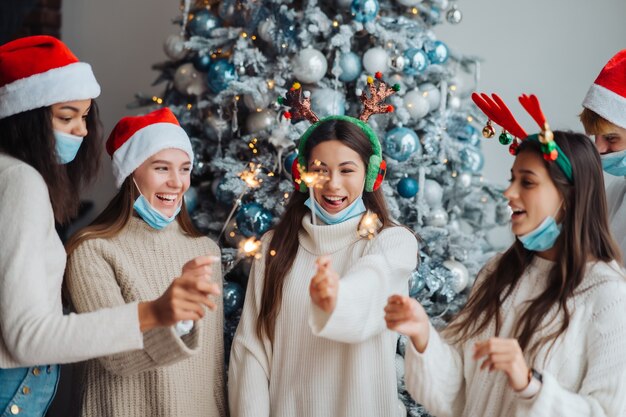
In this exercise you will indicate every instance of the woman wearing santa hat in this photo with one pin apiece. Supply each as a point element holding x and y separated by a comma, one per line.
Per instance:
<point>49,142</point>
<point>604,116</point>
<point>130,253</point>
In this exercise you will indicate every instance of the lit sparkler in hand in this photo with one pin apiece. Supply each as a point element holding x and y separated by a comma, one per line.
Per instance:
<point>249,177</point>
<point>312,180</point>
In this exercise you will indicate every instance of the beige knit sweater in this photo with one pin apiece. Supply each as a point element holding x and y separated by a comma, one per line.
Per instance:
<point>171,376</point>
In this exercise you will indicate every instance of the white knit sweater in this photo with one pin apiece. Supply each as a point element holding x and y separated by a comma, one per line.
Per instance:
<point>33,329</point>
<point>583,375</point>
<point>337,365</point>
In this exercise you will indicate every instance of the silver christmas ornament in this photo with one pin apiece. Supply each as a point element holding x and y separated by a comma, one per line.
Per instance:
<point>454,15</point>
<point>260,120</point>
<point>174,47</point>
<point>433,193</point>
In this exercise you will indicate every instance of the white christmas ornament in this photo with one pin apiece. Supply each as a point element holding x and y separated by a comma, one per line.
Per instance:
<point>432,95</point>
<point>461,275</point>
<point>438,217</point>
<point>433,193</point>
<point>309,66</point>
<point>416,104</point>
<point>454,102</point>
<point>376,60</point>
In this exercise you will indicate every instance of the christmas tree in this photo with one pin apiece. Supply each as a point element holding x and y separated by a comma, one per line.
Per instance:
<point>228,71</point>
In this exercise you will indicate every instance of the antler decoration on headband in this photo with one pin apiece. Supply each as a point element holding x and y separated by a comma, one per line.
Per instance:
<point>495,109</point>
<point>300,106</point>
<point>546,137</point>
<point>375,103</point>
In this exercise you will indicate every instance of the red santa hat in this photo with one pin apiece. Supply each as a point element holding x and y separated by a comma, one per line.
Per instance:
<point>39,71</point>
<point>607,95</point>
<point>136,138</point>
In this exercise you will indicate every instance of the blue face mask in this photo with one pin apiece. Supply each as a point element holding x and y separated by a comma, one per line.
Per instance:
<point>150,215</point>
<point>355,209</point>
<point>67,146</point>
<point>543,237</point>
<point>614,163</point>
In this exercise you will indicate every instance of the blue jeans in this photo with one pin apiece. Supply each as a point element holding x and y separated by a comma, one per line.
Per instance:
<point>27,392</point>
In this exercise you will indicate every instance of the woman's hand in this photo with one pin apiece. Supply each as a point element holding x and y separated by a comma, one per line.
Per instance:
<point>324,285</point>
<point>184,298</point>
<point>405,315</point>
<point>504,355</point>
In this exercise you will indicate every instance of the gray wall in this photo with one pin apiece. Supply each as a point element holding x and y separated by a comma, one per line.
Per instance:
<point>553,48</point>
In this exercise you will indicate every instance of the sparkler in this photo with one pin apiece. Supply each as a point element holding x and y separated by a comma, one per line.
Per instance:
<point>249,177</point>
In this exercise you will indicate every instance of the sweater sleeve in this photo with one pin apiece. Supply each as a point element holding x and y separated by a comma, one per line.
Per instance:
<point>435,377</point>
<point>249,366</point>
<point>603,389</point>
<point>92,285</point>
<point>33,327</point>
<point>363,290</point>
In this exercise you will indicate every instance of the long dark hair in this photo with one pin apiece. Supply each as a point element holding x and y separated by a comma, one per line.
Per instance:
<point>117,214</point>
<point>285,237</point>
<point>28,136</point>
<point>584,236</point>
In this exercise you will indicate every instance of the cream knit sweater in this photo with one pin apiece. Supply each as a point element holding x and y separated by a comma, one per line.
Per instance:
<point>583,375</point>
<point>33,329</point>
<point>337,365</point>
<point>171,376</point>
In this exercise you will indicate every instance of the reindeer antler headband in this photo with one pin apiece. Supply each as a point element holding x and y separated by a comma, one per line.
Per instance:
<point>495,109</point>
<point>300,104</point>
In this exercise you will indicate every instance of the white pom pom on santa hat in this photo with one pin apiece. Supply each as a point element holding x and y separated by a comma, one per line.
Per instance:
<point>39,71</point>
<point>607,95</point>
<point>134,139</point>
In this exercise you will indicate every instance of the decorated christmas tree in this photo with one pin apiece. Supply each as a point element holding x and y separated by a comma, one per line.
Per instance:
<point>227,76</point>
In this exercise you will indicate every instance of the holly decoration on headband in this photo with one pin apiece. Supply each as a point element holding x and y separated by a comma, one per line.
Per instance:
<point>497,111</point>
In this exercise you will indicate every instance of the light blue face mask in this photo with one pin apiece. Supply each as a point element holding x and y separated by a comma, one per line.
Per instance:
<point>150,215</point>
<point>543,237</point>
<point>355,209</point>
<point>67,146</point>
<point>614,163</point>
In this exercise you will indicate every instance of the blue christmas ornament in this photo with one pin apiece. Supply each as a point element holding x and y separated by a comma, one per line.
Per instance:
<point>202,23</point>
<point>438,53</point>
<point>350,64</point>
<point>364,10</point>
<point>233,297</point>
<point>221,73</point>
<point>408,187</point>
<point>470,135</point>
<point>472,159</point>
<point>400,143</point>
<point>191,199</point>
<point>253,220</point>
<point>202,62</point>
<point>417,61</point>
<point>416,284</point>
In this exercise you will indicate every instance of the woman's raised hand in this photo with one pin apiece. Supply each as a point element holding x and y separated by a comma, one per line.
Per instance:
<point>324,285</point>
<point>185,297</point>
<point>405,315</point>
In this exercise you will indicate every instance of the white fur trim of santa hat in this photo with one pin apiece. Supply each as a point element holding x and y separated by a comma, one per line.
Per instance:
<point>146,142</point>
<point>607,95</point>
<point>71,82</point>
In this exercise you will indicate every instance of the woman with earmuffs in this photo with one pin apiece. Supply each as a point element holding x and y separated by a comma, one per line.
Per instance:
<point>312,339</point>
